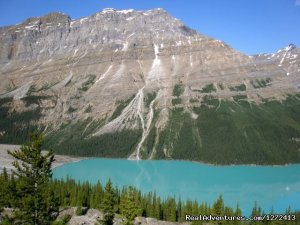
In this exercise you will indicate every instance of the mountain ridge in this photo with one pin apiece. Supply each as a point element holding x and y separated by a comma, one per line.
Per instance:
<point>140,77</point>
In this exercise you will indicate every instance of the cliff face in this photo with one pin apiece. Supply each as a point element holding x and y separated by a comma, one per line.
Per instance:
<point>127,70</point>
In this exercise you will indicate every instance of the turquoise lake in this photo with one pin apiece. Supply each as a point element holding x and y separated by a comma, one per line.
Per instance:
<point>276,187</point>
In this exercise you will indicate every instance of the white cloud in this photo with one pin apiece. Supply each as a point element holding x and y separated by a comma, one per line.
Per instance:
<point>297,2</point>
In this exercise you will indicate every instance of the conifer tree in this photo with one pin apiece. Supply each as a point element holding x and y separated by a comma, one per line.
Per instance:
<point>237,213</point>
<point>179,211</point>
<point>129,208</point>
<point>218,207</point>
<point>256,211</point>
<point>157,207</point>
<point>4,189</point>
<point>108,204</point>
<point>169,210</point>
<point>188,207</point>
<point>96,196</point>
<point>34,200</point>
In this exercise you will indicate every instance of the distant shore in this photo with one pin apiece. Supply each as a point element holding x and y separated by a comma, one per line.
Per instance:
<point>6,160</point>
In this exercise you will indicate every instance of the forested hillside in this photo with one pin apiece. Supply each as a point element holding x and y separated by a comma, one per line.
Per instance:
<point>36,198</point>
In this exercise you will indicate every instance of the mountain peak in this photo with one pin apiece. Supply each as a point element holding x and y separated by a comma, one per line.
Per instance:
<point>54,17</point>
<point>287,48</point>
<point>290,47</point>
<point>133,75</point>
<point>111,10</point>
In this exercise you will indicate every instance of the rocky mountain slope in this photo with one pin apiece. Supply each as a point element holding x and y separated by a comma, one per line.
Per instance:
<point>141,84</point>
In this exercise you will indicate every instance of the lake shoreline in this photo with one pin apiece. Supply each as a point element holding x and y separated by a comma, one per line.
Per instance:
<point>195,181</point>
<point>6,160</point>
<point>196,162</point>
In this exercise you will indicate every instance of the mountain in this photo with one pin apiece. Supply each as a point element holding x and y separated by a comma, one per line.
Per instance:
<point>142,85</point>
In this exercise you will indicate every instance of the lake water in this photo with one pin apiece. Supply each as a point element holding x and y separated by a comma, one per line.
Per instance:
<point>276,187</point>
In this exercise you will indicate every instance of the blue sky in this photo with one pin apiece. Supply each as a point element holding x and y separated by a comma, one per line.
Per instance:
<point>250,26</point>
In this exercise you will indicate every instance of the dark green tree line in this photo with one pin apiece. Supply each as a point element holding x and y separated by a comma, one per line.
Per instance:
<point>35,196</point>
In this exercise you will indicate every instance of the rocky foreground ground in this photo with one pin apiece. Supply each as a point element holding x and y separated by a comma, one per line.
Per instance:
<point>93,217</point>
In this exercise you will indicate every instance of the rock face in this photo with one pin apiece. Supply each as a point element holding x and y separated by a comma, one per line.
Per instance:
<point>127,70</point>
<point>94,216</point>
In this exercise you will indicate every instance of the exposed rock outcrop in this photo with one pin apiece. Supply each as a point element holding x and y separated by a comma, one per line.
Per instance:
<point>86,68</point>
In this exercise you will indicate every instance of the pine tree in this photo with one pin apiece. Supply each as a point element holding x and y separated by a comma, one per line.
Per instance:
<point>96,196</point>
<point>108,204</point>
<point>4,189</point>
<point>129,207</point>
<point>179,211</point>
<point>256,211</point>
<point>188,208</point>
<point>172,214</point>
<point>237,213</point>
<point>34,200</point>
<point>157,207</point>
<point>218,207</point>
